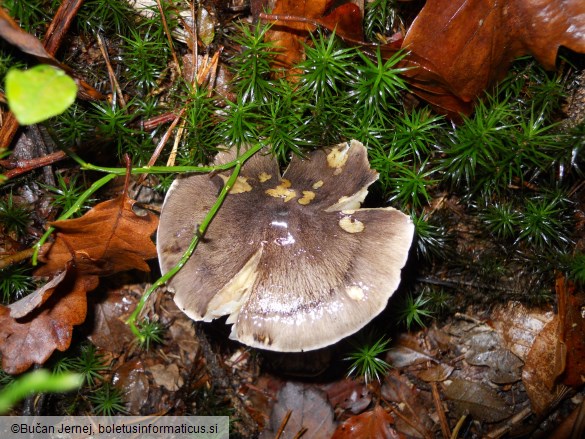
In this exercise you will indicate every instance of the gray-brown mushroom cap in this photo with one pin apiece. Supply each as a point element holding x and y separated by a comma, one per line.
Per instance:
<point>292,259</point>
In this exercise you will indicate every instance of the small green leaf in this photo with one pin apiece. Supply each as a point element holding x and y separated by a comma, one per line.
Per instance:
<point>39,93</point>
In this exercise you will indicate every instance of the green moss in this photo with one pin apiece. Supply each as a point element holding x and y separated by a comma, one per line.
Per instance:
<point>366,361</point>
<point>15,283</point>
<point>15,217</point>
<point>107,400</point>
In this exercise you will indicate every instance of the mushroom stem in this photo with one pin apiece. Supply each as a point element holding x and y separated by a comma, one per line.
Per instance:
<point>197,236</point>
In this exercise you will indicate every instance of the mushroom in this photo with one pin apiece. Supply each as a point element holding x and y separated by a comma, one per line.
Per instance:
<point>291,259</point>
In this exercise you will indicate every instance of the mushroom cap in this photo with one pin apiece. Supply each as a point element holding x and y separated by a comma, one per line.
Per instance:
<point>292,259</point>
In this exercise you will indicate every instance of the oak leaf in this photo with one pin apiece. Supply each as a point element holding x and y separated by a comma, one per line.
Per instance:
<point>108,239</point>
<point>32,338</point>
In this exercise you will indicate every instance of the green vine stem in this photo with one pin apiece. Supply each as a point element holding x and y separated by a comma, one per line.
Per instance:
<point>201,229</point>
<point>164,169</point>
<point>84,196</point>
<point>112,173</point>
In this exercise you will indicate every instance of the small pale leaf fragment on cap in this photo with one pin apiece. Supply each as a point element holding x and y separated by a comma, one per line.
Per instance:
<point>290,276</point>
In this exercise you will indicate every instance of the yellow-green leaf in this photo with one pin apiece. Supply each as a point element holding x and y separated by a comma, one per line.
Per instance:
<point>39,93</point>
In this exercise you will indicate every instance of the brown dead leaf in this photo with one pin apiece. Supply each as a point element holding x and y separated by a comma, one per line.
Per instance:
<point>294,19</point>
<point>436,373</point>
<point>11,32</point>
<point>539,372</point>
<point>109,331</point>
<point>346,21</point>
<point>107,239</point>
<point>519,326</point>
<point>166,375</point>
<point>481,401</point>
<point>415,404</point>
<point>309,409</point>
<point>571,333</point>
<point>504,366</point>
<point>29,303</point>
<point>462,47</point>
<point>348,395</point>
<point>131,379</point>
<point>373,424</point>
<point>402,356</point>
<point>556,358</point>
<point>288,37</point>
<point>33,338</point>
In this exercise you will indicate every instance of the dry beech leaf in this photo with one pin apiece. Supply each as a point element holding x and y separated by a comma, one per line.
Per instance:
<point>520,326</point>
<point>108,239</point>
<point>504,366</point>
<point>349,395</point>
<point>289,36</point>
<point>436,373</point>
<point>33,338</point>
<point>291,258</point>
<point>373,424</point>
<point>109,331</point>
<point>481,401</point>
<point>556,357</point>
<point>402,356</point>
<point>166,375</point>
<point>461,47</point>
<point>131,379</point>
<point>414,404</point>
<point>540,371</point>
<point>309,410</point>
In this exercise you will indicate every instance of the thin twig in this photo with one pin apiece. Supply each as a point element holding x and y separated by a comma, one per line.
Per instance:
<point>163,142</point>
<point>175,149</point>
<point>15,258</point>
<point>457,428</point>
<point>116,90</point>
<point>283,424</point>
<point>60,25</point>
<point>440,411</point>
<point>21,167</point>
<point>300,433</point>
<point>168,34</point>
<point>510,423</point>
